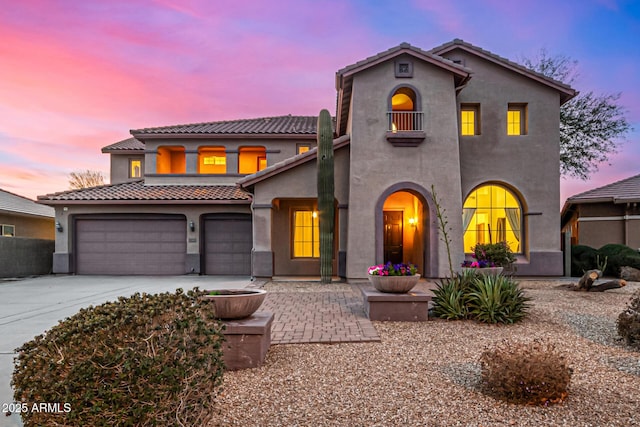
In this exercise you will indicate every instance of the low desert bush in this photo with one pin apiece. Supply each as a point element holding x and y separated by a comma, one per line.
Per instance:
<point>143,360</point>
<point>533,372</point>
<point>488,299</point>
<point>629,322</point>
<point>613,256</point>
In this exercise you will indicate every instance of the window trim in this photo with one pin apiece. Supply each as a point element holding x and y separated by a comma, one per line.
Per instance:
<point>475,108</point>
<point>3,227</point>
<point>521,107</point>
<point>315,230</point>
<point>131,174</point>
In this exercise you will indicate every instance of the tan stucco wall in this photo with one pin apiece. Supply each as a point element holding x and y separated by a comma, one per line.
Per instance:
<point>528,164</point>
<point>30,226</point>
<point>376,165</point>
<point>603,223</point>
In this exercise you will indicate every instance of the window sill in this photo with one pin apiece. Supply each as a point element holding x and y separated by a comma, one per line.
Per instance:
<point>411,138</point>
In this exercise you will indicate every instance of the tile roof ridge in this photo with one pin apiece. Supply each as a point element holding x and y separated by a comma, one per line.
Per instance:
<point>95,187</point>
<point>250,119</point>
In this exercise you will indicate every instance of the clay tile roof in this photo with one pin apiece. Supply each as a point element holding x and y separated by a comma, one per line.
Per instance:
<point>137,191</point>
<point>623,191</point>
<point>129,144</point>
<point>15,204</point>
<point>299,125</point>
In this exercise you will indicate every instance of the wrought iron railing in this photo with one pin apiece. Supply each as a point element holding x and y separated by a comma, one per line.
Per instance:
<point>402,121</point>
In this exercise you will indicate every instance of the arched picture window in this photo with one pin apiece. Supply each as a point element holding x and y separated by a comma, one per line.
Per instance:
<point>404,114</point>
<point>492,214</point>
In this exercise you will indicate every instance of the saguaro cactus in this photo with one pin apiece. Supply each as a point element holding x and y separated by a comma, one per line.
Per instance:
<point>326,188</point>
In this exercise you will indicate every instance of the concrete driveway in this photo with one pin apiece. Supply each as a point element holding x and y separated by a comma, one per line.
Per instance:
<point>31,306</point>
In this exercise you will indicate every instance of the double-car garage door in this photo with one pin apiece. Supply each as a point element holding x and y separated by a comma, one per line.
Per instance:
<point>157,245</point>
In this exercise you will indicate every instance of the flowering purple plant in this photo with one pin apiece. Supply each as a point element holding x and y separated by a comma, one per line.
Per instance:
<point>390,269</point>
<point>478,264</point>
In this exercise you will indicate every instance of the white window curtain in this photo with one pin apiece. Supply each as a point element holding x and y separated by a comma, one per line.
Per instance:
<point>467,215</point>
<point>513,216</point>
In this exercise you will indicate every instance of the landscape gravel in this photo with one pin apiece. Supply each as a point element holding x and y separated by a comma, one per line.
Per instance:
<point>428,373</point>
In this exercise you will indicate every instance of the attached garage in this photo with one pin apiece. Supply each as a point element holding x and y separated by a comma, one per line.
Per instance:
<point>131,245</point>
<point>228,241</point>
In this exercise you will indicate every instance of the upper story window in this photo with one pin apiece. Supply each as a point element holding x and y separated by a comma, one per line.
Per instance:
<point>7,230</point>
<point>517,119</point>
<point>251,159</point>
<point>469,119</point>
<point>135,168</point>
<point>404,114</point>
<point>171,159</point>
<point>212,160</point>
<point>302,148</point>
<point>492,214</point>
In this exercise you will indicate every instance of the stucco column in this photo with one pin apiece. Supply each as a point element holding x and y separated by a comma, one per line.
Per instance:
<point>150,164</point>
<point>262,253</point>
<point>191,159</point>
<point>232,161</point>
<point>343,227</point>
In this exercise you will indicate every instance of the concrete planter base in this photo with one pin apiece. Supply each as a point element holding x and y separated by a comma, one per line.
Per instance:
<point>407,307</point>
<point>236,303</point>
<point>247,341</point>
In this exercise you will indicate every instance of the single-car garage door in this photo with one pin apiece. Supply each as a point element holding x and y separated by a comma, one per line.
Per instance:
<point>228,241</point>
<point>147,245</point>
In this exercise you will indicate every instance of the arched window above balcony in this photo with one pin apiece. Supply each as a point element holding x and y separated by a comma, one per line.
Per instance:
<point>404,116</point>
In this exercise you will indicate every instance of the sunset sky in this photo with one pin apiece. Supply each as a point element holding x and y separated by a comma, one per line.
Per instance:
<point>77,75</point>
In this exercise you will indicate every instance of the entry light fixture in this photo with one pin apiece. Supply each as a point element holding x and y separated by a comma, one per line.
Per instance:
<point>59,226</point>
<point>413,221</point>
<point>192,226</point>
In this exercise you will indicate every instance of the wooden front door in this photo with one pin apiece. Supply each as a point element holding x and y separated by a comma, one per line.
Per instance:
<point>393,236</point>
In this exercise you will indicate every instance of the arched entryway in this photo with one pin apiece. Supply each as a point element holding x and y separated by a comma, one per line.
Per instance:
<point>403,226</point>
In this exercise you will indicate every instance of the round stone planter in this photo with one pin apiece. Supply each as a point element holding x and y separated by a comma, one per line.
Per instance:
<point>394,284</point>
<point>487,271</point>
<point>235,303</point>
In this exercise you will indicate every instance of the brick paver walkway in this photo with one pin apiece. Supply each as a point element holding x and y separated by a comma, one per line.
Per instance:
<point>307,312</point>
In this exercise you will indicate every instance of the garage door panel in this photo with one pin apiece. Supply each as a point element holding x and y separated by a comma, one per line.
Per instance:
<point>228,245</point>
<point>130,246</point>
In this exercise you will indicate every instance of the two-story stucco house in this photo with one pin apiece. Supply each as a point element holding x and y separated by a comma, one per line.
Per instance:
<point>239,197</point>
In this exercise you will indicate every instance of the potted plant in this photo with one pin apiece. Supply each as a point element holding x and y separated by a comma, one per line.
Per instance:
<point>393,278</point>
<point>490,258</point>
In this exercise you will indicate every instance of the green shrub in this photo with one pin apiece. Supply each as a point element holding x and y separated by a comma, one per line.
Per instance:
<point>619,256</point>
<point>496,254</point>
<point>532,372</point>
<point>488,299</point>
<point>452,295</point>
<point>583,258</point>
<point>497,299</point>
<point>143,360</point>
<point>629,321</point>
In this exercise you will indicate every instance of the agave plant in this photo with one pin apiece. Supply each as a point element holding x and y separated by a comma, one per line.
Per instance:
<point>497,299</point>
<point>452,296</point>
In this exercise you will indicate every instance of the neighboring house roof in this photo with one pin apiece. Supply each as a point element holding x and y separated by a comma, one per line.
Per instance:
<point>13,203</point>
<point>279,125</point>
<point>129,144</point>
<point>566,91</point>
<point>136,192</point>
<point>623,191</point>
<point>289,163</point>
<point>344,76</point>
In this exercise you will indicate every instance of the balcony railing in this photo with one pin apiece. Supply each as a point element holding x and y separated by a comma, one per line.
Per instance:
<point>402,121</point>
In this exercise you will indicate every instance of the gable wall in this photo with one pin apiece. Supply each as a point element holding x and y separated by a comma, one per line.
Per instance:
<point>528,163</point>
<point>376,165</point>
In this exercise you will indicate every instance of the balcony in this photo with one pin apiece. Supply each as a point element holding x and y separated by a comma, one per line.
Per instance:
<point>405,128</point>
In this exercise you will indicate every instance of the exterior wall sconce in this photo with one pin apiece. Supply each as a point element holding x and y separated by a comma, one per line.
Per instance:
<point>192,226</point>
<point>59,226</point>
<point>413,222</point>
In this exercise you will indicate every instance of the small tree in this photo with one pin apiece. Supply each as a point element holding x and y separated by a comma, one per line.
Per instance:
<point>591,126</point>
<point>326,190</point>
<point>85,179</point>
